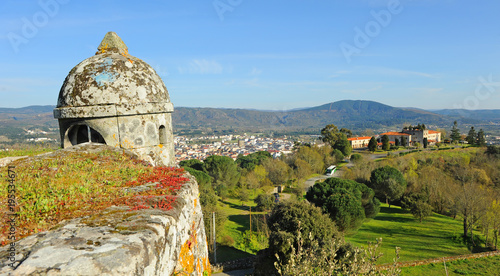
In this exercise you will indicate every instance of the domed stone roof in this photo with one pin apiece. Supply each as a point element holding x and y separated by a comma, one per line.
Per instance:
<point>112,77</point>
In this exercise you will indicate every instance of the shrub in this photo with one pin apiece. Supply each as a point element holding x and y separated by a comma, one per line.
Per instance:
<point>227,241</point>
<point>356,157</point>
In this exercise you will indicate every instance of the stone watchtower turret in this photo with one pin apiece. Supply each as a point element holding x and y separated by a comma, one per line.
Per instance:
<point>116,99</point>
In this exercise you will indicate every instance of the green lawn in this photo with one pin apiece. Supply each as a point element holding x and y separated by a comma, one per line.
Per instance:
<point>237,223</point>
<point>480,266</point>
<point>435,237</point>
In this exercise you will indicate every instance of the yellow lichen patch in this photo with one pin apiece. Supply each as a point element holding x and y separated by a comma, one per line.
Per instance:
<point>126,55</point>
<point>186,258</point>
<point>103,49</point>
<point>127,144</point>
<point>160,145</point>
<point>195,202</point>
<point>206,265</point>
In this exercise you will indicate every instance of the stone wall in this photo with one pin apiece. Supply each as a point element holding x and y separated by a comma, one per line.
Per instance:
<point>119,242</point>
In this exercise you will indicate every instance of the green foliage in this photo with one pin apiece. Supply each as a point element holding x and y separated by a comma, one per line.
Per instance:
<point>192,163</point>
<point>207,193</point>
<point>338,155</point>
<point>346,201</point>
<point>481,141</point>
<point>343,145</point>
<point>493,150</point>
<point>344,207</point>
<point>404,141</point>
<point>264,202</point>
<point>455,133</point>
<point>337,139</point>
<point>224,172</point>
<point>418,205</point>
<point>389,182</point>
<point>385,143</point>
<point>396,142</point>
<point>329,134</point>
<point>288,218</point>
<point>250,161</point>
<point>335,258</point>
<point>356,157</point>
<point>312,157</point>
<point>278,171</point>
<point>426,143</point>
<point>372,144</point>
<point>471,136</point>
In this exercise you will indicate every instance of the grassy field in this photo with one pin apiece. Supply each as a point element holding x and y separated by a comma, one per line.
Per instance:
<point>237,223</point>
<point>435,237</point>
<point>480,266</point>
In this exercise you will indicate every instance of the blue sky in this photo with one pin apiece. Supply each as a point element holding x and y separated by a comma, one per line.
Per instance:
<point>269,54</point>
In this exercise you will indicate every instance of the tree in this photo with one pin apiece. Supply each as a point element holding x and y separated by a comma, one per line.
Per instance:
<point>396,142</point>
<point>329,134</point>
<point>302,169</point>
<point>472,136</point>
<point>224,171</point>
<point>388,182</point>
<point>312,157</point>
<point>343,145</point>
<point>346,201</point>
<point>425,142</point>
<point>372,145</point>
<point>286,220</point>
<point>455,133</point>
<point>404,141</point>
<point>481,141</point>
<point>493,151</point>
<point>337,139</point>
<point>347,132</point>
<point>338,155</point>
<point>385,143</point>
<point>418,205</point>
<point>264,202</point>
<point>471,199</point>
<point>344,207</point>
<point>250,161</point>
<point>278,171</point>
<point>356,158</point>
<point>192,163</point>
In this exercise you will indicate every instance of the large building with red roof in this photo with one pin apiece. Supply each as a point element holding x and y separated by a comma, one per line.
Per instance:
<point>411,136</point>
<point>359,142</point>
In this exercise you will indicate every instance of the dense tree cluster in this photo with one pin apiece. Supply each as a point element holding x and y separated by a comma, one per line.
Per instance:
<point>476,139</point>
<point>347,202</point>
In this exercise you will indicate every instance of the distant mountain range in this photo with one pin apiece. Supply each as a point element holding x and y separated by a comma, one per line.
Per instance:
<point>356,115</point>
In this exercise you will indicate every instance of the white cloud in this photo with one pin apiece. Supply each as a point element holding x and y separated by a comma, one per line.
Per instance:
<point>202,66</point>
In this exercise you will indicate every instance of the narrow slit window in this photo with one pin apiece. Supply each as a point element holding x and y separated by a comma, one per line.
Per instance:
<point>163,135</point>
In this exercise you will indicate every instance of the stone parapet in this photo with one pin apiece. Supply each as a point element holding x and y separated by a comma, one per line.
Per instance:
<point>119,242</point>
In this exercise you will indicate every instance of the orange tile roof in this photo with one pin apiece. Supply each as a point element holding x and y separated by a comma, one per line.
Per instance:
<point>390,142</point>
<point>392,133</point>
<point>433,132</point>
<point>359,138</point>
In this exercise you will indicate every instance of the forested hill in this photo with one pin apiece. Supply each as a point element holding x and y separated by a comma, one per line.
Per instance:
<point>356,115</point>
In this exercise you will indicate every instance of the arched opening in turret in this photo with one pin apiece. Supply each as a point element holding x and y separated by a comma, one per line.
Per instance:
<point>79,134</point>
<point>163,135</point>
